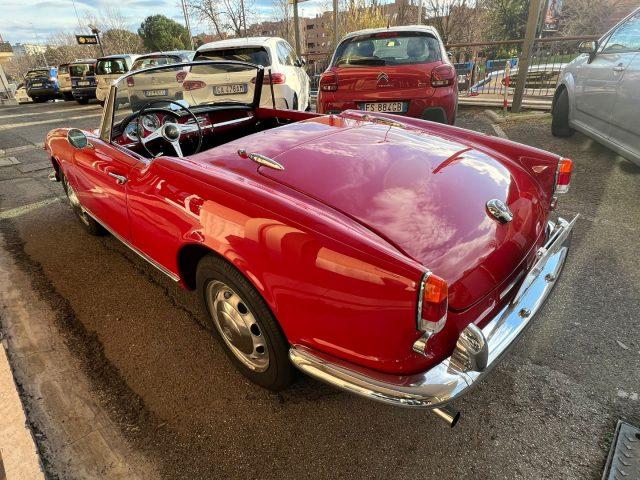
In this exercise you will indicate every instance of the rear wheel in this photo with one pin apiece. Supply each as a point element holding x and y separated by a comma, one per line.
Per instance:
<point>40,99</point>
<point>295,102</point>
<point>244,325</point>
<point>89,224</point>
<point>82,101</point>
<point>68,96</point>
<point>560,116</point>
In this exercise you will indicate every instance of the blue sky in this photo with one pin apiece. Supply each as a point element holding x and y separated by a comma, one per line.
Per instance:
<point>34,21</point>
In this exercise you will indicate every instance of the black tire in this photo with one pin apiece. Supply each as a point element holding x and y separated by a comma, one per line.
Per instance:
<point>40,99</point>
<point>295,102</point>
<point>213,270</point>
<point>67,96</point>
<point>82,101</point>
<point>560,115</point>
<point>89,224</point>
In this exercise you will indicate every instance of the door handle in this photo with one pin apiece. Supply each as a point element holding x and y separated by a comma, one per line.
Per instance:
<point>618,68</point>
<point>120,179</point>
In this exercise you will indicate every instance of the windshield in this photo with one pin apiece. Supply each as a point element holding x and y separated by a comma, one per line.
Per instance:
<point>256,55</point>
<point>388,48</point>
<point>111,66</point>
<point>63,69</point>
<point>37,73</point>
<point>195,85</point>
<point>81,69</point>
<point>155,61</point>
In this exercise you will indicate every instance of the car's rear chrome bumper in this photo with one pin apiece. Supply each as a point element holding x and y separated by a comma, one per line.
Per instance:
<point>451,378</point>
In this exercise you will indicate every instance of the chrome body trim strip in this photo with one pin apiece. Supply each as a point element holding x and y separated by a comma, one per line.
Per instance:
<point>142,255</point>
<point>449,379</point>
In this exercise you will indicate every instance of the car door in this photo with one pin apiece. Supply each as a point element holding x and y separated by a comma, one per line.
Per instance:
<point>625,128</point>
<point>101,173</point>
<point>597,83</point>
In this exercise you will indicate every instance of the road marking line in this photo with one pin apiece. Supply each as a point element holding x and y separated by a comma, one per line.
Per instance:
<point>8,161</point>
<point>51,120</point>
<point>499,131</point>
<point>51,112</point>
<point>18,211</point>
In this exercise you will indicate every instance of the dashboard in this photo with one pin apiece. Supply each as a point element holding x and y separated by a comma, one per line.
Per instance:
<point>127,133</point>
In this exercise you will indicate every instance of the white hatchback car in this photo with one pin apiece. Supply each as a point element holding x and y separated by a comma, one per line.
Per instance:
<point>291,85</point>
<point>599,91</point>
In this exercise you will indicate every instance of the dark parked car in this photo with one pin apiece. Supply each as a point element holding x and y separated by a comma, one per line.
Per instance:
<point>42,84</point>
<point>83,80</point>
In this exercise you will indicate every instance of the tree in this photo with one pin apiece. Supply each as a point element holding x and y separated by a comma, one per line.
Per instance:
<point>457,21</point>
<point>507,19</point>
<point>358,15</point>
<point>225,15</point>
<point>161,33</point>
<point>118,40</point>
<point>586,17</point>
<point>283,16</point>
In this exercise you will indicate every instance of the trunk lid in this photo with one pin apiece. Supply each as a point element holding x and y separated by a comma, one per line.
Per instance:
<point>424,193</point>
<point>386,81</point>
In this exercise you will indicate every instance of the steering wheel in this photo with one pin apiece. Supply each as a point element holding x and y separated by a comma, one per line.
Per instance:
<point>170,132</point>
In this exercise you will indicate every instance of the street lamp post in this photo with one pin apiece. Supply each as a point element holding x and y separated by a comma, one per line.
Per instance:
<point>96,32</point>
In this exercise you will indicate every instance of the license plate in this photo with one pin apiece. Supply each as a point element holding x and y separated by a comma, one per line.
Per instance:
<point>156,93</point>
<point>232,89</point>
<point>36,84</point>
<point>84,84</point>
<point>384,107</point>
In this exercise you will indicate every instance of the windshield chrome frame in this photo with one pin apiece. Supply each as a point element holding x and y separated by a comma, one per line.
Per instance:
<point>106,124</point>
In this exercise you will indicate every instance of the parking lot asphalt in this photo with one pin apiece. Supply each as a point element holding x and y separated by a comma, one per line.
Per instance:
<point>547,411</point>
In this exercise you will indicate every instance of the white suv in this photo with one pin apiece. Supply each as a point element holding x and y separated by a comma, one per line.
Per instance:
<point>598,93</point>
<point>290,82</point>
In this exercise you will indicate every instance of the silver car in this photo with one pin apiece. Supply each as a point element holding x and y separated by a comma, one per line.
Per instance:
<point>599,91</point>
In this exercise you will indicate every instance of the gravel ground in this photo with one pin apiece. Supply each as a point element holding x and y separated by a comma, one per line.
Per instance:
<point>548,411</point>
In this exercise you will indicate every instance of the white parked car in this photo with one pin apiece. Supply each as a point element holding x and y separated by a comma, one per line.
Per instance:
<point>160,86</point>
<point>283,71</point>
<point>108,69</point>
<point>599,91</point>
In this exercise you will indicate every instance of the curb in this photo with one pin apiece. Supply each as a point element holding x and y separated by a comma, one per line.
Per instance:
<point>19,458</point>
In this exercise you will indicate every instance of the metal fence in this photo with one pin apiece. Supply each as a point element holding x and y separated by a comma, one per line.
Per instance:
<point>482,66</point>
<point>490,68</point>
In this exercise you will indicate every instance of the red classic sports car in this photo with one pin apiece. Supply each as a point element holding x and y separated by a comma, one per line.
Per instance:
<point>393,258</point>
<point>401,70</point>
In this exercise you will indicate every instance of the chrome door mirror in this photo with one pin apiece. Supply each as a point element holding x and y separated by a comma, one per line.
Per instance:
<point>589,47</point>
<point>77,138</point>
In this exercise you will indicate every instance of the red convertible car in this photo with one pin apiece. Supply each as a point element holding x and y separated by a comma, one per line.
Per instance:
<point>393,258</point>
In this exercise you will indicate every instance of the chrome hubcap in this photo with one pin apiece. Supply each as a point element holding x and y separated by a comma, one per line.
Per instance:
<point>237,326</point>
<point>74,202</point>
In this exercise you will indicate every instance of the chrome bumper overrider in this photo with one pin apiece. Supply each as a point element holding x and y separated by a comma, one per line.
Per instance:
<point>453,377</point>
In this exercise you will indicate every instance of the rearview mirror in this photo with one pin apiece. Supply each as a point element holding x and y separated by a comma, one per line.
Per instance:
<point>588,47</point>
<point>77,138</point>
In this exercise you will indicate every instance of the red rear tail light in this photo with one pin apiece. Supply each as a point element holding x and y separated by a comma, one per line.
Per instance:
<point>432,304</point>
<point>189,85</point>
<point>275,79</point>
<point>563,175</point>
<point>329,82</point>
<point>180,76</point>
<point>131,82</point>
<point>443,76</point>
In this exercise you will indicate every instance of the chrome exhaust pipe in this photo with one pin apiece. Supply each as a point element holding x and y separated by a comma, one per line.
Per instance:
<point>448,414</point>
